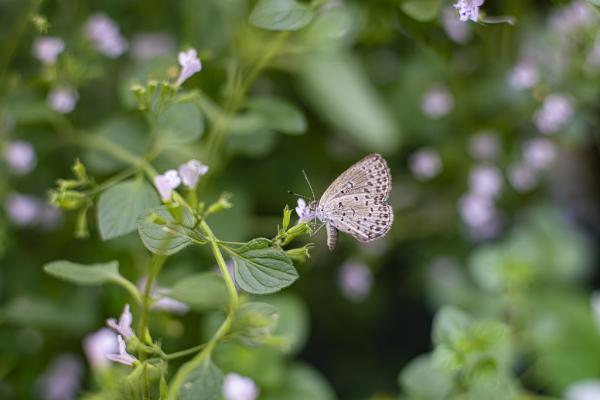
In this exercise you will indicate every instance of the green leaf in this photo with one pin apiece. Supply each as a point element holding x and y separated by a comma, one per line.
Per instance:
<point>260,269</point>
<point>421,10</point>
<point>449,324</point>
<point>168,237</point>
<point>302,382</point>
<point>293,320</point>
<point>421,380</point>
<point>94,274</point>
<point>281,15</point>
<point>120,207</point>
<point>180,123</point>
<point>203,383</point>
<point>254,322</point>
<point>279,115</point>
<point>203,291</point>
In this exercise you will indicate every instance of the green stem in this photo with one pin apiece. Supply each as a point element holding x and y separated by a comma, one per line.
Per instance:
<point>155,266</point>
<point>130,287</point>
<point>185,352</point>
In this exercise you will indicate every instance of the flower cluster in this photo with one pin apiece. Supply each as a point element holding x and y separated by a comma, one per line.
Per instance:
<point>468,9</point>
<point>189,173</point>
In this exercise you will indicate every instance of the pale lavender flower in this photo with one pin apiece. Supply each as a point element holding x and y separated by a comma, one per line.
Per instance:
<point>477,210</point>
<point>47,49</point>
<point>237,387</point>
<point>105,34</point>
<point>588,389</point>
<point>437,102</point>
<point>355,280</point>
<point>556,111</point>
<point>595,303</point>
<point>122,356</point>
<point>484,146</point>
<point>160,299</point>
<point>190,64</point>
<point>123,326</point>
<point>63,100</point>
<point>539,153</point>
<point>522,177</point>
<point>191,171</point>
<point>97,345</point>
<point>22,210</point>
<point>425,164</point>
<point>63,379</point>
<point>455,29</point>
<point>20,157</point>
<point>577,15</point>
<point>166,183</point>
<point>468,9</point>
<point>485,180</point>
<point>304,212</point>
<point>145,46</point>
<point>524,75</point>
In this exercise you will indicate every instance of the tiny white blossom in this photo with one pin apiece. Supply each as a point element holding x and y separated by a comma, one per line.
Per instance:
<point>237,387</point>
<point>20,157</point>
<point>47,49</point>
<point>148,45</point>
<point>22,210</point>
<point>555,112</point>
<point>588,389</point>
<point>97,345</point>
<point>524,75</point>
<point>468,9</point>
<point>304,212</point>
<point>105,35</point>
<point>477,211</point>
<point>539,153</point>
<point>522,177</point>
<point>166,183</point>
<point>485,180</point>
<point>355,280</point>
<point>190,64</point>
<point>123,326</point>
<point>63,100</point>
<point>425,164</point>
<point>437,102</point>
<point>455,29</point>
<point>122,356</point>
<point>62,381</point>
<point>484,146</point>
<point>191,171</point>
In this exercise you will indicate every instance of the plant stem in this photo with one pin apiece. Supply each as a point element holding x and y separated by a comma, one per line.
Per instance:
<point>155,265</point>
<point>130,287</point>
<point>185,352</point>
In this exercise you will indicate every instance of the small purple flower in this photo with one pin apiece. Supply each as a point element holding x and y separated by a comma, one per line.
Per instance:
<point>145,46</point>
<point>122,356</point>
<point>97,345</point>
<point>588,389</point>
<point>20,157</point>
<point>539,153</point>
<point>191,171</point>
<point>166,183</point>
<point>22,210</point>
<point>485,180</point>
<point>456,30</point>
<point>437,102</point>
<point>484,146</point>
<point>477,210</point>
<point>47,49</point>
<point>237,387</point>
<point>190,64</point>
<point>63,100</point>
<point>355,280</point>
<point>123,326</point>
<point>63,379</point>
<point>425,164</point>
<point>556,112</point>
<point>468,9</point>
<point>522,177</point>
<point>305,214</point>
<point>524,75</point>
<point>105,34</point>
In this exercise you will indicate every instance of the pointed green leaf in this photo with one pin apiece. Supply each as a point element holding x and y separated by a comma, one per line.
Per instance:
<point>180,123</point>
<point>421,10</point>
<point>201,291</point>
<point>94,274</point>
<point>203,383</point>
<point>168,237</point>
<point>281,15</point>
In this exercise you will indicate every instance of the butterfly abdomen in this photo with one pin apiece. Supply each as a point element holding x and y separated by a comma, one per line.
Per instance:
<point>332,236</point>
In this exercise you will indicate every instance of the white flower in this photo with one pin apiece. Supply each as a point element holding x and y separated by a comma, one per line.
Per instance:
<point>588,389</point>
<point>355,280</point>
<point>105,34</point>
<point>63,100</point>
<point>524,75</point>
<point>455,29</point>
<point>123,327</point>
<point>522,177</point>
<point>484,146</point>
<point>539,153</point>
<point>437,102</point>
<point>166,182</point>
<point>304,212</point>
<point>191,171</point>
<point>20,157</point>
<point>425,164</point>
<point>237,387</point>
<point>145,46</point>
<point>122,356</point>
<point>97,345</point>
<point>22,210</point>
<point>190,64</point>
<point>47,49</point>
<point>477,210</point>
<point>468,9</point>
<point>556,111</point>
<point>62,381</point>
<point>485,180</point>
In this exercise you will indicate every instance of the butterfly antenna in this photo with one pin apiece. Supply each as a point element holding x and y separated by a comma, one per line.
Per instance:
<point>298,195</point>
<point>309,185</point>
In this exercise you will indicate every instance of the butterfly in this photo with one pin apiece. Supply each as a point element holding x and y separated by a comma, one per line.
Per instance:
<point>355,202</point>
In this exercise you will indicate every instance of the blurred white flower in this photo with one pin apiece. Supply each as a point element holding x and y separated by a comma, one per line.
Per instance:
<point>62,381</point>
<point>123,326</point>
<point>595,303</point>
<point>425,164</point>
<point>437,102</point>
<point>468,9</point>
<point>191,171</point>
<point>555,112</point>
<point>485,180</point>
<point>122,356</point>
<point>105,34</point>
<point>47,49</point>
<point>455,29</point>
<point>588,389</point>
<point>477,210</point>
<point>63,100</point>
<point>522,177</point>
<point>237,387</point>
<point>305,214</point>
<point>22,210</point>
<point>575,16</point>
<point>166,183</point>
<point>145,46</point>
<point>97,345</point>
<point>190,64</point>
<point>539,153</point>
<point>355,280</point>
<point>524,75</point>
<point>20,157</point>
<point>484,146</point>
